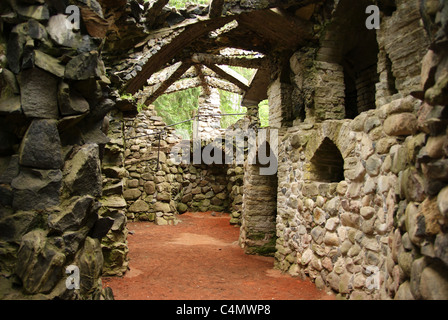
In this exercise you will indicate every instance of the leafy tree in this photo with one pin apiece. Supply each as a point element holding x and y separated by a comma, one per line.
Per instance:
<point>179,106</point>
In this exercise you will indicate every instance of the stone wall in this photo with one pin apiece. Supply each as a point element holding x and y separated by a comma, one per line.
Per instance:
<point>160,194</point>
<point>54,98</point>
<point>114,244</point>
<point>380,231</point>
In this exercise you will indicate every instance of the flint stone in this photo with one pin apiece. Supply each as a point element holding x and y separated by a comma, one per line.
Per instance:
<point>36,189</point>
<point>41,146</point>
<point>39,94</point>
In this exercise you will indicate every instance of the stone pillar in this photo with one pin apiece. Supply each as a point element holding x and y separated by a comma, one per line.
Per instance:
<point>258,227</point>
<point>209,126</point>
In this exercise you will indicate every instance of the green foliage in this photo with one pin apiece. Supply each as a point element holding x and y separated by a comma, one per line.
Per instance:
<point>263,113</point>
<point>177,107</point>
<point>127,96</point>
<point>230,103</point>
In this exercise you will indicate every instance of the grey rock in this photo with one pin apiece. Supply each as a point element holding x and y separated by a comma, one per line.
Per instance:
<point>84,66</point>
<point>39,263</point>
<point>41,146</point>
<point>82,174</point>
<point>404,292</point>
<point>11,105</point>
<point>11,170</point>
<point>70,101</point>
<point>139,206</point>
<point>13,227</point>
<point>442,201</point>
<point>434,283</point>
<point>441,247</point>
<point>416,270</point>
<point>78,214</point>
<point>61,31</point>
<point>36,189</point>
<point>101,227</point>
<point>90,262</point>
<point>7,142</point>
<point>39,94</point>
<point>49,63</point>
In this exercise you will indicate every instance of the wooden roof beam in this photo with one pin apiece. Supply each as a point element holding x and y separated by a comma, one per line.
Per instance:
<point>225,74</point>
<point>162,87</point>
<point>206,58</point>
<point>169,51</point>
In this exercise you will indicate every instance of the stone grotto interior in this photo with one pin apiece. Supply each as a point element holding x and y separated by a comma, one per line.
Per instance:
<point>357,130</point>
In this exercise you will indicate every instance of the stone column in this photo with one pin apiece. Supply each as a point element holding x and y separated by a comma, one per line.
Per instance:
<point>258,233</point>
<point>209,126</point>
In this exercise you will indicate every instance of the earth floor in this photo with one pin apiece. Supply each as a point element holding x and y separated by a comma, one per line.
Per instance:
<point>199,259</point>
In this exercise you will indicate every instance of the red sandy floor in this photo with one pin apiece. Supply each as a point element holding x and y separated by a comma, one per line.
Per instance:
<point>199,259</point>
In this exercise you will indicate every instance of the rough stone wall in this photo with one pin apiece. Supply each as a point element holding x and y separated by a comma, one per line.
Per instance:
<point>53,100</point>
<point>160,195</point>
<point>151,180</point>
<point>114,244</point>
<point>403,38</point>
<point>380,232</point>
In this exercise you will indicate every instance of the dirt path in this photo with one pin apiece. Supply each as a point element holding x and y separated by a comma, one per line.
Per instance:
<point>200,259</point>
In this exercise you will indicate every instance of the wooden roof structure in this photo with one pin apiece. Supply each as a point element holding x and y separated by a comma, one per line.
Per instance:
<point>197,51</point>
